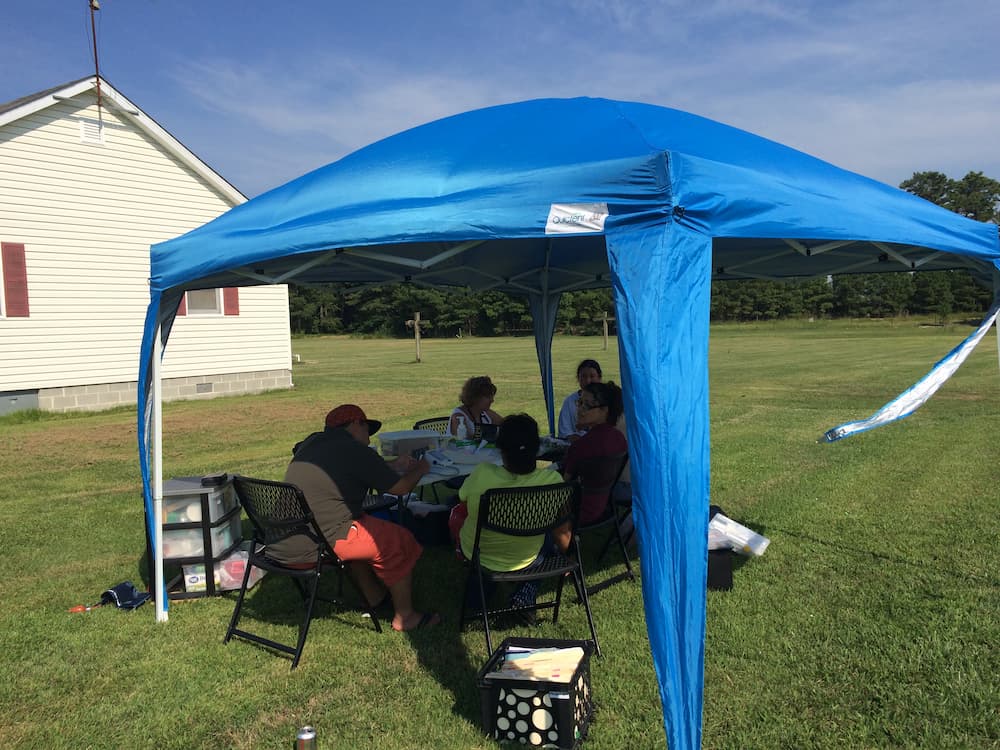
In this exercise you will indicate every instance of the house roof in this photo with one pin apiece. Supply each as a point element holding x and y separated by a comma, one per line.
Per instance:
<point>14,104</point>
<point>111,97</point>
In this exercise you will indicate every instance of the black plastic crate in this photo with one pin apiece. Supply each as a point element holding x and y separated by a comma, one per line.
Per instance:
<point>720,569</point>
<point>532,712</point>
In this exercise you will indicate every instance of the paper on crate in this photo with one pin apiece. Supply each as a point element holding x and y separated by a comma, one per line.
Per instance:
<point>725,532</point>
<point>541,664</point>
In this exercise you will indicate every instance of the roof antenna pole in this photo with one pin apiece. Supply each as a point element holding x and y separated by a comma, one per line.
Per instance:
<point>95,5</point>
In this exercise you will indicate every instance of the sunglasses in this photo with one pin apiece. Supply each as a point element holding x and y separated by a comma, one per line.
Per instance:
<point>587,406</point>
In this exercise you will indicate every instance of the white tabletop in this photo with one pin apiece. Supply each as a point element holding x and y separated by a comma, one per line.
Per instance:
<point>462,463</point>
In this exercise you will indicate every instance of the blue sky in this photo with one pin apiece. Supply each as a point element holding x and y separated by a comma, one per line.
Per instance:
<point>264,92</point>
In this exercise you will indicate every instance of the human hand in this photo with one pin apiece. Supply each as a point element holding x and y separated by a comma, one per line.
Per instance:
<point>403,464</point>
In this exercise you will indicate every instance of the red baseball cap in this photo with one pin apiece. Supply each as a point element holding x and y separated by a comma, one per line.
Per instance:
<point>347,413</point>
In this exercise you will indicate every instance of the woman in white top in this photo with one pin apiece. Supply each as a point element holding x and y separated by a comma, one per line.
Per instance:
<point>477,399</point>
<point>587,372</point>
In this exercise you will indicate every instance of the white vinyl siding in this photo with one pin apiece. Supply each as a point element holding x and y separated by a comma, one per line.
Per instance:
<point>87,214</point>
<point>256,339</point>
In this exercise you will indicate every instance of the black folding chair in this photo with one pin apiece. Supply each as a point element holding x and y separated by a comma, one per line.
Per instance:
<point>440,426</point>
<point>528,511</point>
<point>598,476</point>
<point>277,511</point>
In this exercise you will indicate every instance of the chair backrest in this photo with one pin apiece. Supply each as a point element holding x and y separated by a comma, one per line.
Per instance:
<point>528,511</point>
<point>277,510</point>
<point>599,475</point>
<point>438,424</point>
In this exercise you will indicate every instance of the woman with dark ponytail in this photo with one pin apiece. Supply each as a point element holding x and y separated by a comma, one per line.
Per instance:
<point>518,442</point>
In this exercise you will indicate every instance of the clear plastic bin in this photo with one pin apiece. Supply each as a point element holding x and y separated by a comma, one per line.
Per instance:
<point>404,442</point>
<point>228,573</point>
<point>191,542</point>
<point>182,500</point>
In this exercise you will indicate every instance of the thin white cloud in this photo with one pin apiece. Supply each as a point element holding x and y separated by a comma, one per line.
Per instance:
<point>876,87</point>
<point>888,134</point>
<point>337,100</point>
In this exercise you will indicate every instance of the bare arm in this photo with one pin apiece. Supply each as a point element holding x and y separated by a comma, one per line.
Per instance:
<point>409,480</point>
<point>403,464</point>
<point>562,536</point>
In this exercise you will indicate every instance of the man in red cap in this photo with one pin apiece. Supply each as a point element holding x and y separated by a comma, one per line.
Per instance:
<point>335,469</point>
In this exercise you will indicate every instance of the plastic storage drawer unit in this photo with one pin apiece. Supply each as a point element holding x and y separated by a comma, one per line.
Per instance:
<point>201,526</point>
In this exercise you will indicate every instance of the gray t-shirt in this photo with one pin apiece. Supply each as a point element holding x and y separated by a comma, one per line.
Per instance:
<point>334,472</point>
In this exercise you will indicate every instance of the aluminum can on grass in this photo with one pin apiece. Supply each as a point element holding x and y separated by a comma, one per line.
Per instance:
<point>305,739</point>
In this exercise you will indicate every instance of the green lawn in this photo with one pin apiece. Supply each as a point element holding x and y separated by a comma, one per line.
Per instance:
<point>871,621</point>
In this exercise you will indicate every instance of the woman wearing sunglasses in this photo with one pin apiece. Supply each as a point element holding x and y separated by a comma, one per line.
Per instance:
<point>597,412</point>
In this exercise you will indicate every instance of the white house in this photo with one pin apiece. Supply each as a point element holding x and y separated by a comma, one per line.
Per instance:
<point>84,191</point>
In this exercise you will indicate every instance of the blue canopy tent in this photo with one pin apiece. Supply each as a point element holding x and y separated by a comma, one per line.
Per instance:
<point>547,196</point>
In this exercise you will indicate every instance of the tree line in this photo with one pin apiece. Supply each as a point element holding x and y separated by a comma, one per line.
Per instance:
<point>384,310</point>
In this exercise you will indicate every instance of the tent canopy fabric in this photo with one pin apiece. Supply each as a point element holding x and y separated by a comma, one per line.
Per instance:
<point>543,197</point>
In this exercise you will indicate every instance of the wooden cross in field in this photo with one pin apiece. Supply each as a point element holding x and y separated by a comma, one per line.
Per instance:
<point>415,325</point>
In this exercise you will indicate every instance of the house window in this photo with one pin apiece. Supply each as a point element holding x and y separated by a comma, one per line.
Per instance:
<point>210,302</point>
<point>13,281</point>
<point>204,302</point>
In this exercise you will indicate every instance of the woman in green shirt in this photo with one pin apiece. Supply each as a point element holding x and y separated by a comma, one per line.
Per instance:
<point>518,442</point>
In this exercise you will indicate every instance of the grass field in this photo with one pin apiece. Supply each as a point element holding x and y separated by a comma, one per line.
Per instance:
<point>871,621</point>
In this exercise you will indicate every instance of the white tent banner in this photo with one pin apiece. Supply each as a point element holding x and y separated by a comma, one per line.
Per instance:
<point>576,218</point>
<point>918,394</point>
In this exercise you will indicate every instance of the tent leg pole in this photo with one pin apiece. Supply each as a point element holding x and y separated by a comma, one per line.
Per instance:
<point>996,299</point>
<point>157,440</point>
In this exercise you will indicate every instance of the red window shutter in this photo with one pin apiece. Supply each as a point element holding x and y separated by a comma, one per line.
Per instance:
<point>15,279</point>
<point>231,300</point>
<point>182,308</point>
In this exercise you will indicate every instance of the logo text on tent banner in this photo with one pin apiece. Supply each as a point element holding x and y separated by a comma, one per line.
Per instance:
<point>576,218</point>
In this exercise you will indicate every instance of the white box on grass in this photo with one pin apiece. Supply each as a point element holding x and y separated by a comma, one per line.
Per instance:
<point>228,573</point>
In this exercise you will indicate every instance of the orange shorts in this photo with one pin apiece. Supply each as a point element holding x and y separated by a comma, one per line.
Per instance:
<point>391,550</point>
